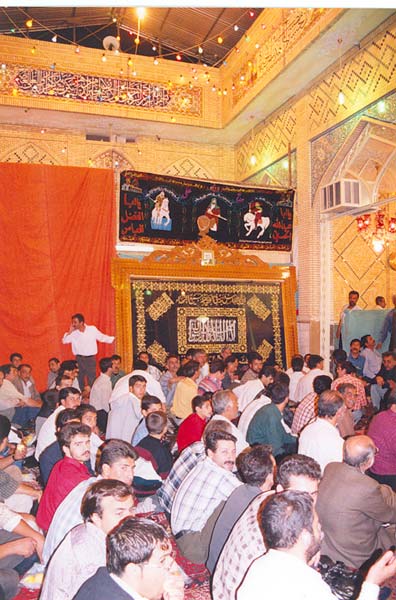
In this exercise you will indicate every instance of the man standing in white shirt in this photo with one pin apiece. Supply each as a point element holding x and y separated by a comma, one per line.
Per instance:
<point>101,392</point>
<point>321,439</point>
<point>83,339</point>
<point>353,298</point>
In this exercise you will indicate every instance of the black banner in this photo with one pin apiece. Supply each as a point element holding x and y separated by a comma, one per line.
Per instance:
<point>172,210</point>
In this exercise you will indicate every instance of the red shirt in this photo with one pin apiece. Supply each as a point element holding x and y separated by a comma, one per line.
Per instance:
<point>382,431</point>
<point>65,475</point>
<point>190,431</point>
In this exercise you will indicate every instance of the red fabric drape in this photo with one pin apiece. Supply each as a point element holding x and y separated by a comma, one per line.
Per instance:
<point>57,236</point>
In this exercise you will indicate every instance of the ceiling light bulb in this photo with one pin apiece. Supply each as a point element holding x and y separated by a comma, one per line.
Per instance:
<point>200,50</point>
<point>381,106</point>
<point>341,97</point>
<point>236,27</point>
<point>141,12</point>
<point>104,57</point>
<point>178,57</point>
<point>29,23</point>
<point>253,160</point>
<point>54,38</point>
<point>220,40</point>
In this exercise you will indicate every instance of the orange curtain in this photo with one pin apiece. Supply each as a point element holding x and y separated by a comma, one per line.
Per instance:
<point>57,237</point>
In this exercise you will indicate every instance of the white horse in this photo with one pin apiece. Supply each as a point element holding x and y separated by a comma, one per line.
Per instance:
<point>250,225</point>
<point>161,210</point>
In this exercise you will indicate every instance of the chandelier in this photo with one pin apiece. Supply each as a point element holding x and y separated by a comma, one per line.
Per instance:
<point>379,231</point>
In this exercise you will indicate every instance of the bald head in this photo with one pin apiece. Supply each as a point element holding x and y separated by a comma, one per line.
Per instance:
<point>359,451</point>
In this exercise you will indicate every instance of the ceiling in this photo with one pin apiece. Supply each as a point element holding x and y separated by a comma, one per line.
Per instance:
<point>169,30</point>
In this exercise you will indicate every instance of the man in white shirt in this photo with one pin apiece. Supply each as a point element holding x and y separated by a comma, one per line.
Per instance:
<point>373,358</point>
<point>292,534</point>
<point>69,397</point>
<point>10,398</point>
<point>197,503</point>
<point>202,358</point>
<point>295,373</point>
<point>353,298</point>
<point>253,388</point>
<point>83,339</point>
<point>225,408</point>
<point>153,387</point>
<point>154,371</point>
<point>126,412</point>
<point>101,392</point>
<point>321,439</point>
<point>305,385</point>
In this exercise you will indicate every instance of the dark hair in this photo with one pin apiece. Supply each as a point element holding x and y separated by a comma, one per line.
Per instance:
<point>297,363</point>
<point>339,355</point>
<point>69,431</point>
<point>314,360</point>
<point>68,365</point>
<point>255,464</point>
<point>198,351</point>
<point>61,375</point>
<point>267,371</point>
<point>278,392</point>
<point>172,356</point>
<point>387,354</point>
<point>156,422</point>
<point>297,465</point>
<point>230,359</point>
<point>105,488</point>
<point>378,299</point>
<point>143,352</point>
<point>5,427</point>
<point>347,366</point>
<point>15,355</point>
<point>132,541</point>
<point>67,391</point>
<point>191,367</point>
<point>321,383</point>
<point>190,353</point>
<point>329,403</point>
<point>65,416</point>
<point>6,369</point>
<point>282,377</point>
<point>364,339</point>
<point>355,340</point>
<point>84,409</point>
<point>24,365</point>
<point>51,398</point>
<point>140,365</point>
<point>284,516</point>
<point>112,450</point>
<point>115,357</point>
<point>105,364</point>
<point>198,402</point>
<point>251,356</point>
<point>216,366</point>
<point>148,401</point>
<point>213,437</point>
<point>79,317</point>
<point>135,379</point>
<point>54,359</point>
<point>354,292</point>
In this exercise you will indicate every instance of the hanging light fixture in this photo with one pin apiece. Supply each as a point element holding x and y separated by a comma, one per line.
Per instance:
<point>379,232</point>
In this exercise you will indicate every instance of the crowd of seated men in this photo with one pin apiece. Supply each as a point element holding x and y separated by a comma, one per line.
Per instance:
<point>257,472</point>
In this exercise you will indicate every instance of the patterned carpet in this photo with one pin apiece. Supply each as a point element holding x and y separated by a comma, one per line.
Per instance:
<point>197,590</point>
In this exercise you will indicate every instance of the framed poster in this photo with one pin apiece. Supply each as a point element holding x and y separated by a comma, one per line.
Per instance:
<point>170,301</point>
<point>173,210</point>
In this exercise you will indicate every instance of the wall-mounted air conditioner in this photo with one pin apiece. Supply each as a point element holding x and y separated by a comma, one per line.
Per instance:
<point>342,195</point>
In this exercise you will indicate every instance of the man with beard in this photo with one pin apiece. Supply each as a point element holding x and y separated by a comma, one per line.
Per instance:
<point>292,534</point>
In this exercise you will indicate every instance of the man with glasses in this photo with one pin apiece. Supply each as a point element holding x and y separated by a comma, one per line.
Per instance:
<point>139,565</point>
